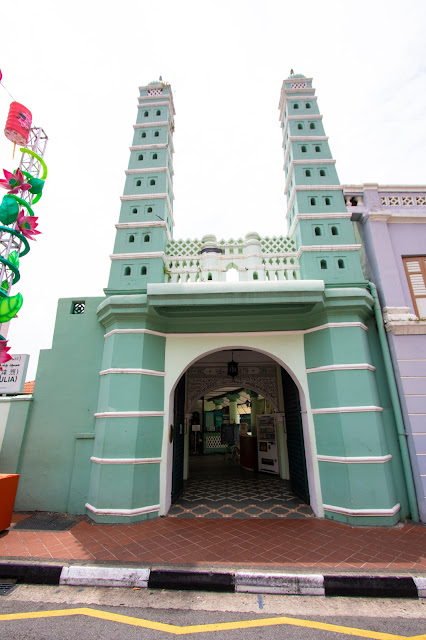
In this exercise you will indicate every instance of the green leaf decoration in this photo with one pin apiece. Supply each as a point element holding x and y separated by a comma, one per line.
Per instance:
<point>9,307</point>
<point>4,285</point>
<point>14,259</point>
<point>9,210</point>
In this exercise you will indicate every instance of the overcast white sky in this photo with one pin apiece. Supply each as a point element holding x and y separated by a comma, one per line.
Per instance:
<point>77,66</point>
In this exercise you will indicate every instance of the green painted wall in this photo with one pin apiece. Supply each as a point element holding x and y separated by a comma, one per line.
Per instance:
<point>65,400</point>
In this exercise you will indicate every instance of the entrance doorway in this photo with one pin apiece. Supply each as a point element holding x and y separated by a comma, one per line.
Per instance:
<point>241,451</point>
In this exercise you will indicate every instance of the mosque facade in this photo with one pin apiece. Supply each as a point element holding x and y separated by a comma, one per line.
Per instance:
<point>109,430</point>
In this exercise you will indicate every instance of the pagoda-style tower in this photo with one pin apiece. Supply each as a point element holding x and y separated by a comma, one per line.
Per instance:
<point>316,215</point>
<point>146,216</point>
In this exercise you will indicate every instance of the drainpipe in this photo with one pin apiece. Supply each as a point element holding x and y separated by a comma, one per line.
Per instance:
<point>402,436</point>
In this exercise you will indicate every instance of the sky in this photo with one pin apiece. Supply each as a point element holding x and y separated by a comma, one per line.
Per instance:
<point>77,66</point>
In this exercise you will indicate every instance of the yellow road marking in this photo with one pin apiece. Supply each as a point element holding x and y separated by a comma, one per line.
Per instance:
<point>203,628</point>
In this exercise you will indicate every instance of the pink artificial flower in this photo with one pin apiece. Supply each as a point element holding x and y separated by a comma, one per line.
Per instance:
<point>27,225</point>
<point>14,182</point>
<point>4,356</point>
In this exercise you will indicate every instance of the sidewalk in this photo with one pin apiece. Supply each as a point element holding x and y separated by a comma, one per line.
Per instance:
<point>214,546</point>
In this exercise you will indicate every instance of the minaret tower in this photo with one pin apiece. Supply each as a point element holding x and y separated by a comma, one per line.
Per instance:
<point>146,216</point>
<point>316,214</point>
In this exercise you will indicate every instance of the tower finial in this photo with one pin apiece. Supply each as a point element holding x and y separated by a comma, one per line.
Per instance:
<point>161,78</point>
<point>291,72</point>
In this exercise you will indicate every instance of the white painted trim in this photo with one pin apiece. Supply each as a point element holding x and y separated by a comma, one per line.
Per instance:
<point>145,225</point>
<point>356,460</point>
<point>23,398</point>
<point>160,123</point>
<point>328,325</point>
<point>125,460</point>
<point>122,512</point>
<point>129,414</point>
<point>143,372</point>
<point>148,331</point>
<point>136,256</point>
<point>363,512</point>
<point>327,248</point>
<point>150,196</point>
<point>347,409</point>
<point>341,367</point>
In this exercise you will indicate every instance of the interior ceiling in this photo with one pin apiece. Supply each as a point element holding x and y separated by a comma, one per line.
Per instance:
<point>241,356</point>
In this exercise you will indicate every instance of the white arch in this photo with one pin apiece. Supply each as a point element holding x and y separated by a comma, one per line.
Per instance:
<point>287,351</point>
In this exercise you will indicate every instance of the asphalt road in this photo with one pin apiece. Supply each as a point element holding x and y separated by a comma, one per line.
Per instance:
<point>75,613</point>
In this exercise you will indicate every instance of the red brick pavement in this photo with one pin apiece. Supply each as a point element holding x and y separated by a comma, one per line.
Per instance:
<point>297,544</point>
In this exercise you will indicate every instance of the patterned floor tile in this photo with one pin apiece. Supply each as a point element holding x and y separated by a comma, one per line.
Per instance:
<point>219,488</point>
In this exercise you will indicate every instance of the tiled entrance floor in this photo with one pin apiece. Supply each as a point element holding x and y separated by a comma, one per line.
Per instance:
<point>220,488</point>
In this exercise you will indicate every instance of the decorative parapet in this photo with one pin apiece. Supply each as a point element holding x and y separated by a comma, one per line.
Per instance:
<point>254,258</point>
<point>396,203</point>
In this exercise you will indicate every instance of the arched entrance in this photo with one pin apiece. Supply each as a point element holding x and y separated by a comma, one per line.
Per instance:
<point>238,439</point>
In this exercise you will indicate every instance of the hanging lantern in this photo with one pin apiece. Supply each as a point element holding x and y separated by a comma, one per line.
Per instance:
<point>18,124</point>
<point>232,367</point>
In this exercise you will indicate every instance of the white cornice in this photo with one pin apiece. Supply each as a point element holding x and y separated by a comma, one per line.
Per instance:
<point>145,125</point>
<point>129,414</point>
<point>356,460</point>
<point>125,460</point>
<point>341,367</point>
<point>363,512</point>
<point>316,187</point>
<point>158,102</point>
<point>142,372</point>
<point>137,172</point>
<point>361,409</point>
<point>122,512</point>
<point>144,225</point>
<point>150,196</point>
<point>240,334</point>
<point>137,256</point>
<point>328,247</point>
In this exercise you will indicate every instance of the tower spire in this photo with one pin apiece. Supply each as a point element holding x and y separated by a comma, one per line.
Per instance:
<point>146,216</point>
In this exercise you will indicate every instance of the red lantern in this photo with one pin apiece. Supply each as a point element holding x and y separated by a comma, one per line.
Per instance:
<point>18,124</point>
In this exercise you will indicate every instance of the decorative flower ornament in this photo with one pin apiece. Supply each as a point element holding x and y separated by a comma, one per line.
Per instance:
<point>14,182</point>
<point>27,225</point>
<point>4,355</point>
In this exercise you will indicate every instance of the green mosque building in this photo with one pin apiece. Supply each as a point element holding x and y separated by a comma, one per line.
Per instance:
<point>160,366</point>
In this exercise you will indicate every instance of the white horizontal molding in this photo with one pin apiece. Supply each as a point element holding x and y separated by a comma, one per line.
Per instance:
<point>150,196</point>
<point>148,331</point>
<point>143,372</point>
<point>360,409</point>
<point>147,125</point>
<point>145,225</point>
<point>129,414</point>
<point>363,512</point>
<point>240,334</point>
<point>122,512</point>
<point>157,101</point>
<point>341,367</point>
<point>355,459</point>
<point>125,460</point>
<point>137,256</point>
<point>327,248</point>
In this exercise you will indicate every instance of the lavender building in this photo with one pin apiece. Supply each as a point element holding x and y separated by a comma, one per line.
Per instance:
<point>392,223</point>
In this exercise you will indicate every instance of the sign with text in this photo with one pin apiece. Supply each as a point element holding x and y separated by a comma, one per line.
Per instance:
<point>12,376</point>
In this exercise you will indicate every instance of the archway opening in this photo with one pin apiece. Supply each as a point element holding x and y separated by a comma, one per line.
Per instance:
<point>238,448</point>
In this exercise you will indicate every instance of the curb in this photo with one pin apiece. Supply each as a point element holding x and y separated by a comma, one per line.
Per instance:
<point>348,585</point>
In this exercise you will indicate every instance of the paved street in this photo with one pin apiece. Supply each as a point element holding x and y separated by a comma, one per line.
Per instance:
<point>60,613</point>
